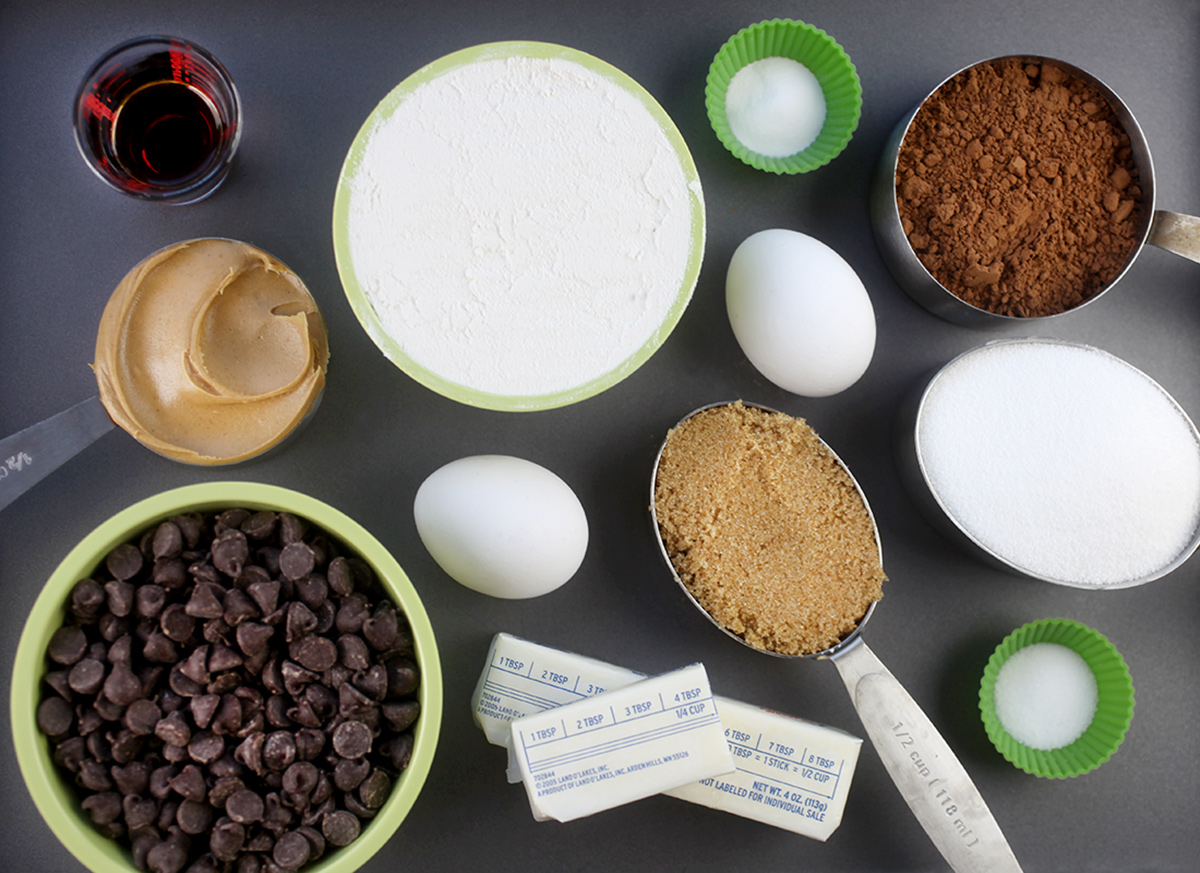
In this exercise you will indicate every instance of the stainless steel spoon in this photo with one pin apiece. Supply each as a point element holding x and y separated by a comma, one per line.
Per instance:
<point>931,779</point>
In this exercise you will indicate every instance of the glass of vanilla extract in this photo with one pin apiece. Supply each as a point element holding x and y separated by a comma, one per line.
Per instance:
<point>158,118</point>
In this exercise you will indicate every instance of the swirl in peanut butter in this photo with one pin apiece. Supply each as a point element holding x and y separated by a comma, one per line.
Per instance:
<point>210,352</point>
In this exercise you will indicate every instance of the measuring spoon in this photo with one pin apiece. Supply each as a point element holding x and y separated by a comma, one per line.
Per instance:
<point>226,364</point>
<point>929,776</point>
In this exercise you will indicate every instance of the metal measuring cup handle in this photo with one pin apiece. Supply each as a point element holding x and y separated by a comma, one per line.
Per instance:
<point>929,776</point>
<point>1176,233</point>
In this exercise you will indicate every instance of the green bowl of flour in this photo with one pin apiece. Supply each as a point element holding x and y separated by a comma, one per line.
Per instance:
<point>518,226</point>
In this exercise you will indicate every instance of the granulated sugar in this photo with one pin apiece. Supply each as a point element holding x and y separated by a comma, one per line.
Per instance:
<point>522,226</point>
<point>1063,460</point>
<point>1045,696</point>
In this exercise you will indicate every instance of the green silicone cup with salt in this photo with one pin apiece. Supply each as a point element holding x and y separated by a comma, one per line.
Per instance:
<point>1113,703</point>
<point>821,57</point>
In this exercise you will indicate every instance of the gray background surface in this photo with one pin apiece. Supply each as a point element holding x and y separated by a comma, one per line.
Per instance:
<point>309,73</point>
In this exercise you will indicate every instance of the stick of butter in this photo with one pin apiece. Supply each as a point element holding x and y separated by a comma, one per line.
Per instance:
<point>621,745</point>
<point>791,773</point>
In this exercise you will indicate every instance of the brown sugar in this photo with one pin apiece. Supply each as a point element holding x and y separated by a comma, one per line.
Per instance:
<point>1017,189</point>
<point>766,528</point>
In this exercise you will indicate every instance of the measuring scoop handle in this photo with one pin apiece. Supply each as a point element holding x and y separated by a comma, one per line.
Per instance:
<point>29,456</point>
<point>1176,233</point>
<point>929,776</point>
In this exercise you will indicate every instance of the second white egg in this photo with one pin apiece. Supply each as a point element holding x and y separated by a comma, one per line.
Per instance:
<point>799,312</point>
<point>501,525</point>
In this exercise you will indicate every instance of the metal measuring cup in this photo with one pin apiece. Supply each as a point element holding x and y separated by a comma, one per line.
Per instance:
<point>1172,231</point>
<point>30,455</point>
<point>929,776</point>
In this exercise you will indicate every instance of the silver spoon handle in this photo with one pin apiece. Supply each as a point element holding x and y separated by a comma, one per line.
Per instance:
<point>1176,233</point>
<point>29,456</point>
<point>929,776</point>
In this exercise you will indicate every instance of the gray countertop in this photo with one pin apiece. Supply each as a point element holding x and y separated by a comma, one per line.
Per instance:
<point>309,74</point>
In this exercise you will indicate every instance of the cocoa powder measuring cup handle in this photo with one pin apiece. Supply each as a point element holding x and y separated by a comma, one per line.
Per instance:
<point>930,778</point>
<point>1176,233</point>
<point>29,456</point>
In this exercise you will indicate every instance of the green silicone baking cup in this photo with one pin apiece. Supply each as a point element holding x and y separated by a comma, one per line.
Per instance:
<point>1114,707</point>
<point>815,49</point>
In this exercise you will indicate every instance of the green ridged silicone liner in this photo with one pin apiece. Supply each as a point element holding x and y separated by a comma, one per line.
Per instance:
<point>813,48</point>
<point>1114,708</point>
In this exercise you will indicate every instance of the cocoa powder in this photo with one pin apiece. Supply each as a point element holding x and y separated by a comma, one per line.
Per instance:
<point>1017,190</point>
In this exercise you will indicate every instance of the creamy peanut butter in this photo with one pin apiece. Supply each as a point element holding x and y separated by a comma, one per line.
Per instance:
<point>210,352</point>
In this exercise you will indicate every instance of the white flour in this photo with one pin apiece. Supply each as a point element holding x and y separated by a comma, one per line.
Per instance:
<point>521,226</point>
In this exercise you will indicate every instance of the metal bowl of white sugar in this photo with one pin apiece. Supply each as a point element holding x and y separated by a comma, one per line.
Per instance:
<point>518,226</point>
<point>1054,460</point>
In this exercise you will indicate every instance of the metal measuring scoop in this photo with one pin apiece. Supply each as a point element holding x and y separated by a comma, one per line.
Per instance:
<point>1173,231</point>
<point>29,456</point>
<point>931,779</point>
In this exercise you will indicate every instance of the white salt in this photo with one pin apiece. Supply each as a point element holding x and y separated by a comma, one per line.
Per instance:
<point>1045,696</point>
<point>1063,460</point>
<point>775,107</point>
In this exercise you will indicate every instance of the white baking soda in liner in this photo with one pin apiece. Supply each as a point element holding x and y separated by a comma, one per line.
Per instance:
<point>1062,460</point>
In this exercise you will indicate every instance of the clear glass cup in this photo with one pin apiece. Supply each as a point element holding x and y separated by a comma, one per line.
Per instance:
<point>158,118</point>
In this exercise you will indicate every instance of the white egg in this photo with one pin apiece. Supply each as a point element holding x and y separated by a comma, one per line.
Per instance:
<point>501,525</point>
<point>799,312</point>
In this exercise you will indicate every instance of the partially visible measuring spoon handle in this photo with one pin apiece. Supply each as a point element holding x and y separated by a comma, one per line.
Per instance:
<point>1176,233</point>
<point>29,456</point>
<point>929,776</point>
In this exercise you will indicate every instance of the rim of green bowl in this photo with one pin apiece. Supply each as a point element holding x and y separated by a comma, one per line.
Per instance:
<point>817,50</point>
<point>56,800</point>
<point>366,314</point>
<point>1114,709</point>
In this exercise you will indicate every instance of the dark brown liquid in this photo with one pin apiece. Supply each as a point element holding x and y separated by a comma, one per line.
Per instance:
<point>165,133</point>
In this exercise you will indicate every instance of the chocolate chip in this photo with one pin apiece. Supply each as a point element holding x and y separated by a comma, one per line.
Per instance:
<point>229,553</point>
<point>309,743</point>
<point>352,739</point>
<point>168,540</point>
<point>55,716</point>
<point>124,562</point>
<point>67,645</point>
<point>93,776</point>
<point>176,623</point>
<point>205,601</point>
<point>373,681</point>
<point>189,784</point>
<point>103,807</point>
<point>398,751</point>
<point>375,789</point>
<point>300,621</point>
<point>169,573</point>
<point>403,677</point>
<point>194,817</point>
<point>401,715</point>
<point>313,590</point>
<point>223,789</point>
<point>206,747</point>
<point>300,778</point>
<point>279,750</point>
<point>315,840</point>
<point>239,607</point>
<point>174,730</point>
<point>380,629</point>
<point>87,599</point>
<point>142,716</point>
<point>340,576</point>
<point>292,850</point>
<point>249,752</point>
<point>296,560</point>
<point>149,600</point>
<point>122,687</point>
<point>315,653</point>
<point>353,611</point>
<point>291,528</point>
<point>69,754</point>
<point>349,774</point>
<point>223,658</point>
<point>169,856</point>
<point>260,525</point>
<point>86,677</point>
<point>353,652</point>
<point>140,812</point>
<point>227,839</point>
<point>131,778</point>
<point>245,807</point>
<point>340,828</point>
